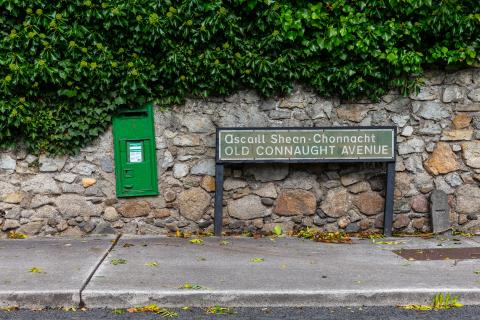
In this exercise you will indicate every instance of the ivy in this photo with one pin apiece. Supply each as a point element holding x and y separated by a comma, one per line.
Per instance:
<point>67,66</point>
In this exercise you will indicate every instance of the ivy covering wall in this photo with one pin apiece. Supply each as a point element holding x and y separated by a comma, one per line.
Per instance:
<point>67,65</point>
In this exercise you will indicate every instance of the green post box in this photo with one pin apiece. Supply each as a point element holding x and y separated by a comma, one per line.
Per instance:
<point>135,158</point>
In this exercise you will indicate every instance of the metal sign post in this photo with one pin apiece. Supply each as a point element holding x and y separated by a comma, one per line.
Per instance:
<point>306,145</point>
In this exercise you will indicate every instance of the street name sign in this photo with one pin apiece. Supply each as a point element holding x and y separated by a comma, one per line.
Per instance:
<point>330,144</point>
<point>306,145</point>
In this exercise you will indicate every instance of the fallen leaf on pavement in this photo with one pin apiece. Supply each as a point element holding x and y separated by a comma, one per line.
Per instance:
<point>219,310</point>
<point>387,242</point>
<point>187,285</point>
<point>118,261</point>
<point>9,309</point>
<point>151,264</point>
<point>196,241</point>
<point>16,235</point>
<point>119,311</point>
<point>256,260</point>
<point>69,309</point>
<point>35,270</point>
<point>153,308</point>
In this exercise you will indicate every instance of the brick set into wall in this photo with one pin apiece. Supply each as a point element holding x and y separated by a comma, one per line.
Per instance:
<point>438,148</point>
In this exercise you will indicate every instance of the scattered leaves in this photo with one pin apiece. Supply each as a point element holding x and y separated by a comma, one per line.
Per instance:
<point>462,234</point>
<point>375,236</point>
<point>307,233</point>
<point>38,308</point>
<point>69,309</point>
<point>153,308</point>
<point>116,262</point>
<point>247,233</point>
<point>186,308</point>
<point>128,245</point>
<point>332,237</point>
<point>257,260</point>
<point>417,307</point>
<point>477,271</point>
<point>367,234</point>
<point>16,235</point>
<point>321,236</point>
<point>423,235</point>
<point>206,233</point>
<point>181,234</point>
<point>152,264</point>
<point>190,286</point>
<point>387,242</point>
<point>119,311</point>
<point>196,241</point>
<point>219,310</point>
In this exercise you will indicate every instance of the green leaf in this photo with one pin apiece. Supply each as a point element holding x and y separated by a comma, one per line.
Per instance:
<point>188,285</point>
<point>277,230</point>
<point>35,270</point>
<point>119,261</point>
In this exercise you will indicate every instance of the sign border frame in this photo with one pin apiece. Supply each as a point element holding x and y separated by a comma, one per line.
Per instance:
<point>349,160</point>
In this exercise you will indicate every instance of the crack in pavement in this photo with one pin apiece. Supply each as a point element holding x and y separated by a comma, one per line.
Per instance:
<point>89,278</point>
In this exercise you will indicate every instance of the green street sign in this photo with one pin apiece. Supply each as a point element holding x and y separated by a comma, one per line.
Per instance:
<point>306,144</point>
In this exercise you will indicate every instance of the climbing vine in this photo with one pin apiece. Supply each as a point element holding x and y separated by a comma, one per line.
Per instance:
<point>67,65</point>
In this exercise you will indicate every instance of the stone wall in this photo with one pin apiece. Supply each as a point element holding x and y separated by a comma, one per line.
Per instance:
<point>438,148</point>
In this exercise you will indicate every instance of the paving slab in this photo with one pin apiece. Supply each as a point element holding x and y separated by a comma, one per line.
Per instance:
<point>289,272</point>
<point>64,265</point>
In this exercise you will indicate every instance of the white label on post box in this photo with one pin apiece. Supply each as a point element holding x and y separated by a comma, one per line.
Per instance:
<point>135,153</point>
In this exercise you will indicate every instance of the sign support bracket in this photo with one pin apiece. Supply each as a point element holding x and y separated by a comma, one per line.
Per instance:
<point>388,213</point>
<point>218,199</point>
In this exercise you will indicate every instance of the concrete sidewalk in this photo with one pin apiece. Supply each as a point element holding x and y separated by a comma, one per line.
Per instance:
<point>64,267</point>
<point>230,272</point>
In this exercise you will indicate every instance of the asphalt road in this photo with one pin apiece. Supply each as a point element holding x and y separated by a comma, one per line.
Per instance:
<point>383,313</point>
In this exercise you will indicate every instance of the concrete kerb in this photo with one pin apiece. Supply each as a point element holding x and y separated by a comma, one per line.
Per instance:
<point>284,298</point>
<point>40,298</point>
